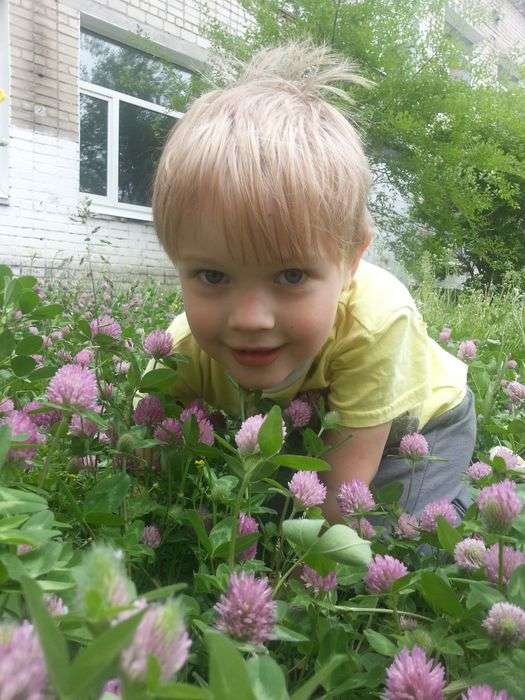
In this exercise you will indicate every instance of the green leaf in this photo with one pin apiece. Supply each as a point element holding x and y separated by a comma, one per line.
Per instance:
<point>195,521</point>
<point>516,586</point>
<point>182,691</point>
<point>439,594</point>
<point>51,639</point>
<point>164,592</point>
<point>311,685</point>
<point>343,544</point>
<point>285,634</point>
<point>228,674</point>
<point>29,345</point>
<point>312,443</point>
<point>22,365</point>
<point>302,532</point>
<point>108,493</point>
<point>391,493</point>
<point>482,593</point>
<point>447,535</point>
<point>502,674</point>
<point>270,438</point>
<point>16,501</point>
<point>7,344</point>
<point>91,665</point>
<point>301,462</point>
<point>159,379</point>
<point>5,442</point>
<point>380,643</point>
<point>267,677</point>
<point>47,311</point>
<point>27,300</point>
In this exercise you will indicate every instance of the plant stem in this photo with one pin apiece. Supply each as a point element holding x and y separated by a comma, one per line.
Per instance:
<point>54,443</point>
<point>500,563</point>
<point>235,523</point>
<point>279,545</point>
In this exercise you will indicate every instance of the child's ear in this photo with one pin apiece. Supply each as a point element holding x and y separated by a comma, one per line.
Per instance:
<point>352,265</point>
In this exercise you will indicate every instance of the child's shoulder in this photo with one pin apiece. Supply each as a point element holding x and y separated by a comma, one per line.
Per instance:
<point>179,329</point>
<point>376,298</point>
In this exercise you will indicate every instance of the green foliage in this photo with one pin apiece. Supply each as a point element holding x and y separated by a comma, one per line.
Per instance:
<point>453,148</point>
<point>115,523</point>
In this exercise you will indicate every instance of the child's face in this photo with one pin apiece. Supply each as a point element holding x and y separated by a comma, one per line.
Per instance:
<point>231,307</point>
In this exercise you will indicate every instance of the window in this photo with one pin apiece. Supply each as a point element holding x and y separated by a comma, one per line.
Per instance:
<point>129,100</point>
<point>4,102</point>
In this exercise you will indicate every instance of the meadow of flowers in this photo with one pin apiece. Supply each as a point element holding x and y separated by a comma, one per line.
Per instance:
<point>154,550</point>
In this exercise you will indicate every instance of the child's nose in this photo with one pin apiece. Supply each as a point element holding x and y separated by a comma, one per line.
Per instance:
<point>253,312</point>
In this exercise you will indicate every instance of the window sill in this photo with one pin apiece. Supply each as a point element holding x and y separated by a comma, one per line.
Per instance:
<point>122,212</point>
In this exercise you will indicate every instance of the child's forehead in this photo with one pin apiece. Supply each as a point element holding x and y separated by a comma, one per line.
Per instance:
<point>208,244</point>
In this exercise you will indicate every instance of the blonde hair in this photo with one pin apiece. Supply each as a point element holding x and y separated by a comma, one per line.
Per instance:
<point>269,161</point>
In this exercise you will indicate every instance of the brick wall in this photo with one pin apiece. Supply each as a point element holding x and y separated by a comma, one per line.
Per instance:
<point>39,226</point>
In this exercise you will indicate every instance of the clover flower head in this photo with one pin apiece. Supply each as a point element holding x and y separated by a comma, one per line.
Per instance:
<point>383,570</point>
<point>498,505</point>
<point>316,582</point>
<point>22,666</point>
<point>42,419</point>
<point>511,560</point>
<point>407,526</point>
<point>248,525</point>
<point>470,553</point>
<point>202,417</point>
<point>151,536</point>
<point>73,386</point>
<point>84,357</point>
<point>169,431</point>
<point>413,446</point>
<point>516,392</point>
<point>148,411</point>
<point>246,611</point>
<point>306,489</point>
<point>431,511</point>
<point>364,527</point>
<point>506,623</point>
<point>299,412</point>
<point>158,344</point>
<point>354,497</point>
<point>106,325</point>
<point>467,350</point>
<point>162,634</point>
<point>55,605</point>
<point>246,436</point>
<point>102,576</point>
<point>445,334</point>
<point>412,676</point>
<point>506,454</point>
<point>478,471</point>
<point>20,424</point>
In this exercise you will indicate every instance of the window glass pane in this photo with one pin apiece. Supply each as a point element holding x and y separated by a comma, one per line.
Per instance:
<point>125,69</point>
<point>142,134</point>
<point>93,145</point>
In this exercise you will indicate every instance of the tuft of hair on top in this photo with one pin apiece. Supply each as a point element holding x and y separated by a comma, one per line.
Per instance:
<point>269,161</point>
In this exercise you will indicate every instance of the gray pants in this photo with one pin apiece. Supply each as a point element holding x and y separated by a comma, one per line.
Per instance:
<point>451,436</point>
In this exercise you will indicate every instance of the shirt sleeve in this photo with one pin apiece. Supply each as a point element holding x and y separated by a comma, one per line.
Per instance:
<point>376,377</point>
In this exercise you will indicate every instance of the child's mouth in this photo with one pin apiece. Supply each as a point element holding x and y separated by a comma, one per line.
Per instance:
<point>254,358</point>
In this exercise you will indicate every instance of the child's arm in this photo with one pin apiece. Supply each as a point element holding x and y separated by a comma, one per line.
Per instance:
<point>357,458</point>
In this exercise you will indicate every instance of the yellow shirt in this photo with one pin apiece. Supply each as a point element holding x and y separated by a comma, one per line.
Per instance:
<point>378,363</point>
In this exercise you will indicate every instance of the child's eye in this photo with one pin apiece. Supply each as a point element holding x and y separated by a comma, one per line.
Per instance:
<point>211,277</point>
<point>293,276</point>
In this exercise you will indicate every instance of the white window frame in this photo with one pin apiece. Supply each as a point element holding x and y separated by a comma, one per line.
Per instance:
<point>110,204</point>
<point>5,105</point>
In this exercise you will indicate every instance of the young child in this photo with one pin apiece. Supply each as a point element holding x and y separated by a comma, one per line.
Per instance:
<point>260,200</point>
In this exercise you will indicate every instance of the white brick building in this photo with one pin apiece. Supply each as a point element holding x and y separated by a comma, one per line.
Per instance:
<point>72,127</point>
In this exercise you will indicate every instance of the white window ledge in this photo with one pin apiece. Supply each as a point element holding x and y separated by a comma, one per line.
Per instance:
<point>122,211</point>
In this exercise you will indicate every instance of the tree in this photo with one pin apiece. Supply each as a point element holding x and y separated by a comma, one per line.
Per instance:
<point>453,148</point>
